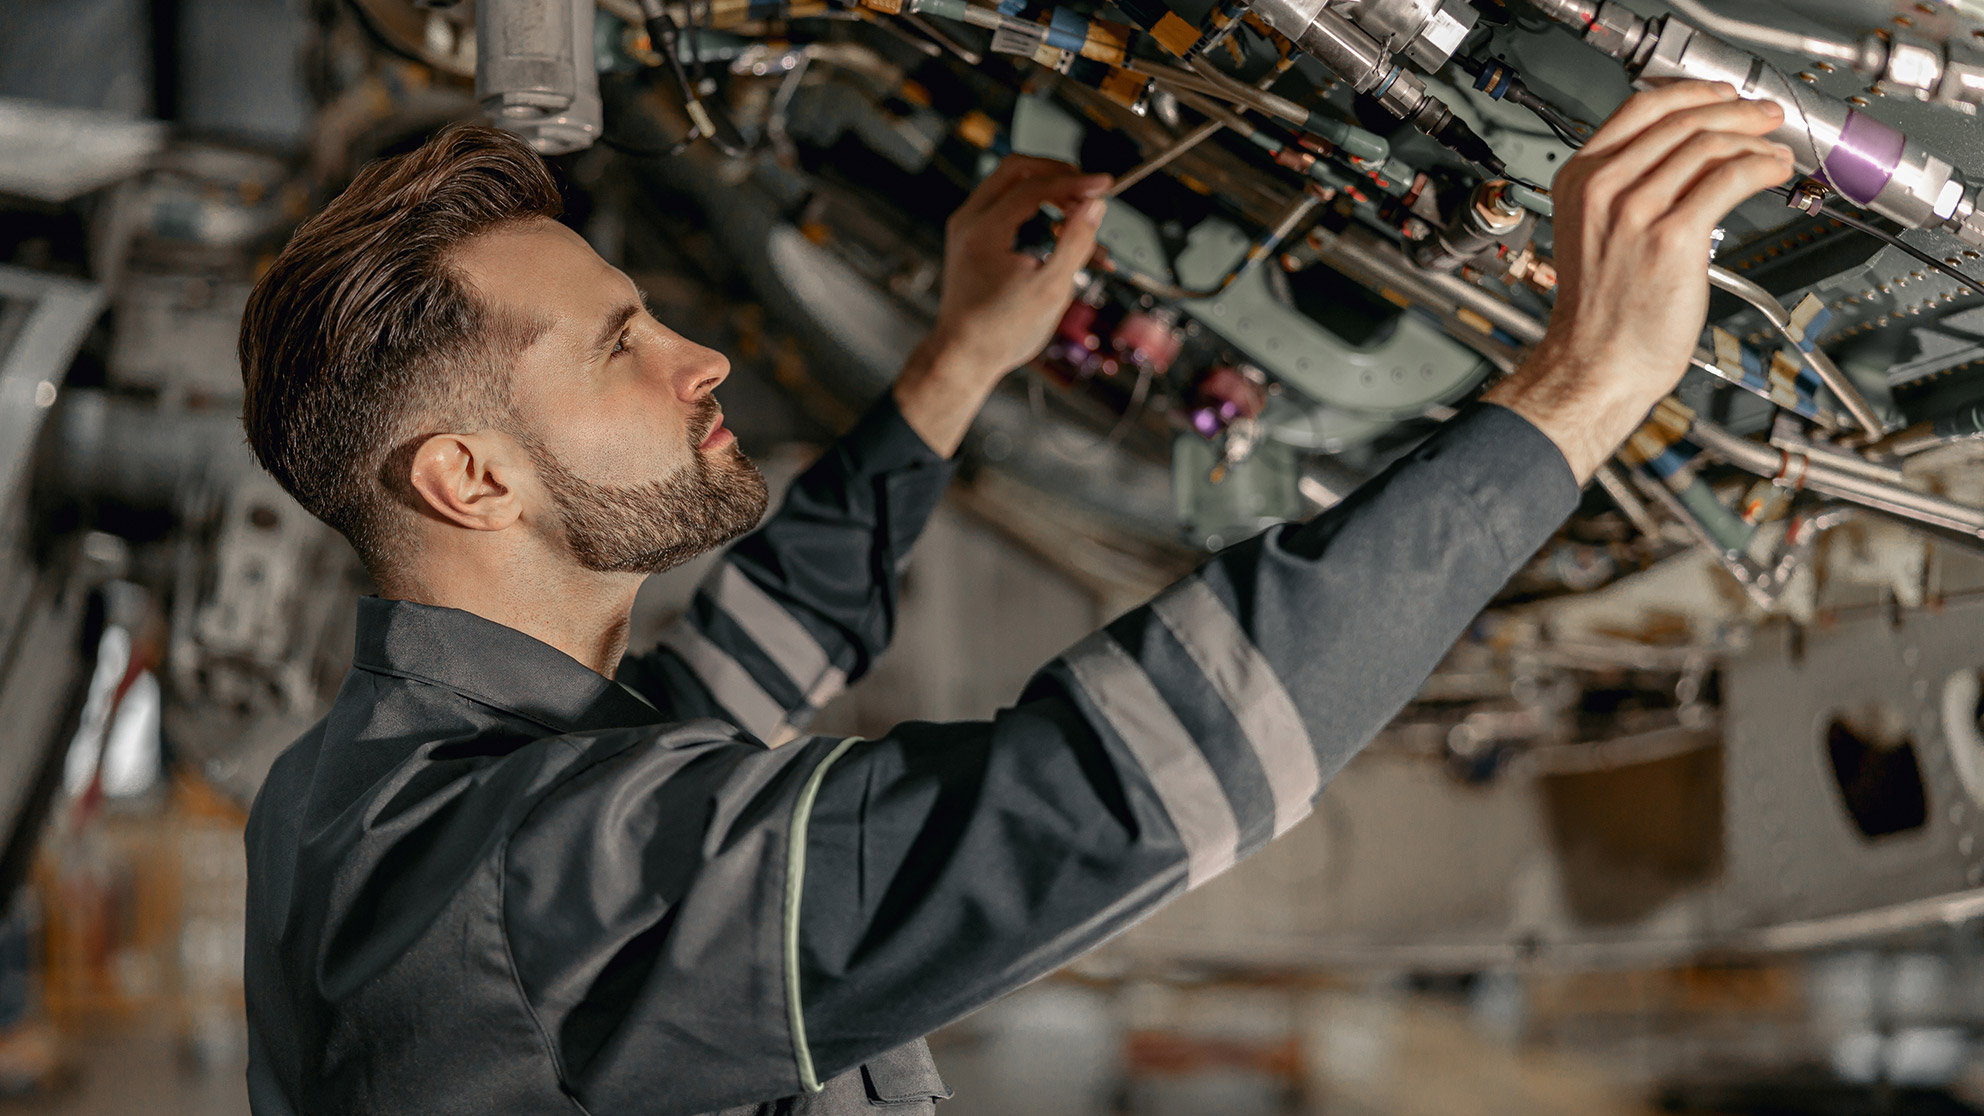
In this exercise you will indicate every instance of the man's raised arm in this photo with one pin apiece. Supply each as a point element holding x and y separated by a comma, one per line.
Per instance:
<point>944,865</point>
<point>802,606</point>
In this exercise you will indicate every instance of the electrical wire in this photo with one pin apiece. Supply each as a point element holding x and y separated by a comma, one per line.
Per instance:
<point>1857,225</point>
<point>1036,398</point>
<point>665,37</point>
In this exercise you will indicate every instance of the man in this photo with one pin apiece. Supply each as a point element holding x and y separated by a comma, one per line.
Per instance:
<point>497,880</point>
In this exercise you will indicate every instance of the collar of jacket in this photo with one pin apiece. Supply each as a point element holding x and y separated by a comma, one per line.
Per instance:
<point>495,665</point>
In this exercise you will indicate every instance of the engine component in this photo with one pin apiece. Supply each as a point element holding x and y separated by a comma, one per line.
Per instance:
<point>1868,162</point>
<point>534,71</point>
<point>1363,61</point>
<point>1491,221</point>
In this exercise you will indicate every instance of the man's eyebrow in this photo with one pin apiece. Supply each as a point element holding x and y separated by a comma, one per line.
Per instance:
<point>609,330</point>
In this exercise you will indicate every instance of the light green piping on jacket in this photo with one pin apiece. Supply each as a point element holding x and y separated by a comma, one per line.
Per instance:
<point>795,880</point>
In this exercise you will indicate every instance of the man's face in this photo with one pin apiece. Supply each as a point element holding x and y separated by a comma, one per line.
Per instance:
<point>631,457</point>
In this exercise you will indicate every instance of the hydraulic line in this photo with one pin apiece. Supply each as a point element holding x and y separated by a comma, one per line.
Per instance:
<point>1798,470</point>
<point>1814,357</point>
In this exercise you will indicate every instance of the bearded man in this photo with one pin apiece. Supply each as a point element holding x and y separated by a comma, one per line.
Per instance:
<point>519,870</point>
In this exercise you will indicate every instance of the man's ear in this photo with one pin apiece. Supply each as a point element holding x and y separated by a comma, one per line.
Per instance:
<point>460,479</point>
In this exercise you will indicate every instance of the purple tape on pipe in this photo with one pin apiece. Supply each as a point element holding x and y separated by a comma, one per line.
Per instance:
<point>1864,159</point>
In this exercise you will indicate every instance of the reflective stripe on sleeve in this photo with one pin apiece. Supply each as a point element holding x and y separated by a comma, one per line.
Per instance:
<point>781,637</point>
<point>1184,781</point>
<point>1251,689</point>
<point>728,682</point>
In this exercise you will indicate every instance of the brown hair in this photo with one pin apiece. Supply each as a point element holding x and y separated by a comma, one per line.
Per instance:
<point>362,337</point>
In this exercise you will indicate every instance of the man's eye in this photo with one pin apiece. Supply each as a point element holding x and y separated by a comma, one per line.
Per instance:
<point>620,346</point>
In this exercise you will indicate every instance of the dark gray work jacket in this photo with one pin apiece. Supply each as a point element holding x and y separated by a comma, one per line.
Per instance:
<point>493,881</point>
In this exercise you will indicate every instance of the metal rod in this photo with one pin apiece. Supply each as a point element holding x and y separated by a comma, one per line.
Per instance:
<point>1821,365</point>
<point>969,56</point>
<point>1634,508</point>
<point>1158,161</point>
<point>1820,476</point>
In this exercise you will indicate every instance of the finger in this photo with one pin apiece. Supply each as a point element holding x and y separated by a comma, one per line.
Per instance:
<point>1025,198</point>
<point>1723,188</point>
<point>1646,108</point>
<point>1654,143</point>
<point>1011,169</point>
<point>1655,193</point>
<point>1077,243</point>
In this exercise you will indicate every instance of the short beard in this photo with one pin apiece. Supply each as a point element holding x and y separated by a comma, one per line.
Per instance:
<point>647,528</point>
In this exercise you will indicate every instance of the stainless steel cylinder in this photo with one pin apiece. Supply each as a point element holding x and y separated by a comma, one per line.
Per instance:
<point>1349,51</point>
<point>1867,162</point>
<point>534,71</point>
<point>1424,32</point>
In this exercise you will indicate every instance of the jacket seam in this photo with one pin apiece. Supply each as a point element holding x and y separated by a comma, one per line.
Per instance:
<point>516,980</point>
<point>503,927</point>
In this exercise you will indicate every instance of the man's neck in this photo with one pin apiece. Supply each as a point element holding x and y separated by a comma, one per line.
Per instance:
<point>582,613</point>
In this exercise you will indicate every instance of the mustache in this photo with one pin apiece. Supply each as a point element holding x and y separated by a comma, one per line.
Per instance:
<point>708,416</point>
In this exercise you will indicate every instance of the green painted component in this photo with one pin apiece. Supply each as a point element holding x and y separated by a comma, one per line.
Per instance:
<point>1132,240</point>
<point>1043,128</point>
<point>1349,138</point>
<point>1417,365</point>
<point>1530,198</point>
<point>1255,493</point>
<point>1297,422</point>
<point>1723,525</point>
<point>1329,174</point>
<point>1398,175</point>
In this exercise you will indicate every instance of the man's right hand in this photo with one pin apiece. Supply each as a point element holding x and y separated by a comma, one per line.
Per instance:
<point>1634,213</point>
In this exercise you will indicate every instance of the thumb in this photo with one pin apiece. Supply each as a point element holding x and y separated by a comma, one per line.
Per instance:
<point>1077,241</point>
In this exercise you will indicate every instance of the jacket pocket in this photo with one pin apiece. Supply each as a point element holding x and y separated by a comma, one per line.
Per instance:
<point>906,1075</point>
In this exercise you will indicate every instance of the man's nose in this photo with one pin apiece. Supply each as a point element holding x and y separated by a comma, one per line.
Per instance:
<point>700,374</point>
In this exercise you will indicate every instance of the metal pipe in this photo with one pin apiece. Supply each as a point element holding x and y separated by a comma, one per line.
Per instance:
<point>1634,508</point>
<point>1746,572</point>
<point>1767,37</point>
<point>1800,470</point>
<point>1814,357</point>
<point>1261,99</point>
<point>969,56</point>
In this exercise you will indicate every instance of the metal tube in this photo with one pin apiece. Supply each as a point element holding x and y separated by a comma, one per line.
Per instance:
<point>1767,37</point>
<point>1814,357</point>
<point>1747,573</point>
<point>1634,508</point>
<point>1247,95</point>
<point>1820,476</point>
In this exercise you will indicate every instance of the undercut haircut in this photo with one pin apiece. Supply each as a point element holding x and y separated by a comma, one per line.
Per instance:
<point>363,338</point>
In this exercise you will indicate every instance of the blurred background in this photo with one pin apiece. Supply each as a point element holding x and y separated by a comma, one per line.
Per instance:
<point>1654,851</point>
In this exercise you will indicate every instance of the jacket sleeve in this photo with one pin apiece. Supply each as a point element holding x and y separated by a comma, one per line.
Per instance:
<point>945,865</point>
<point>803,605</point>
